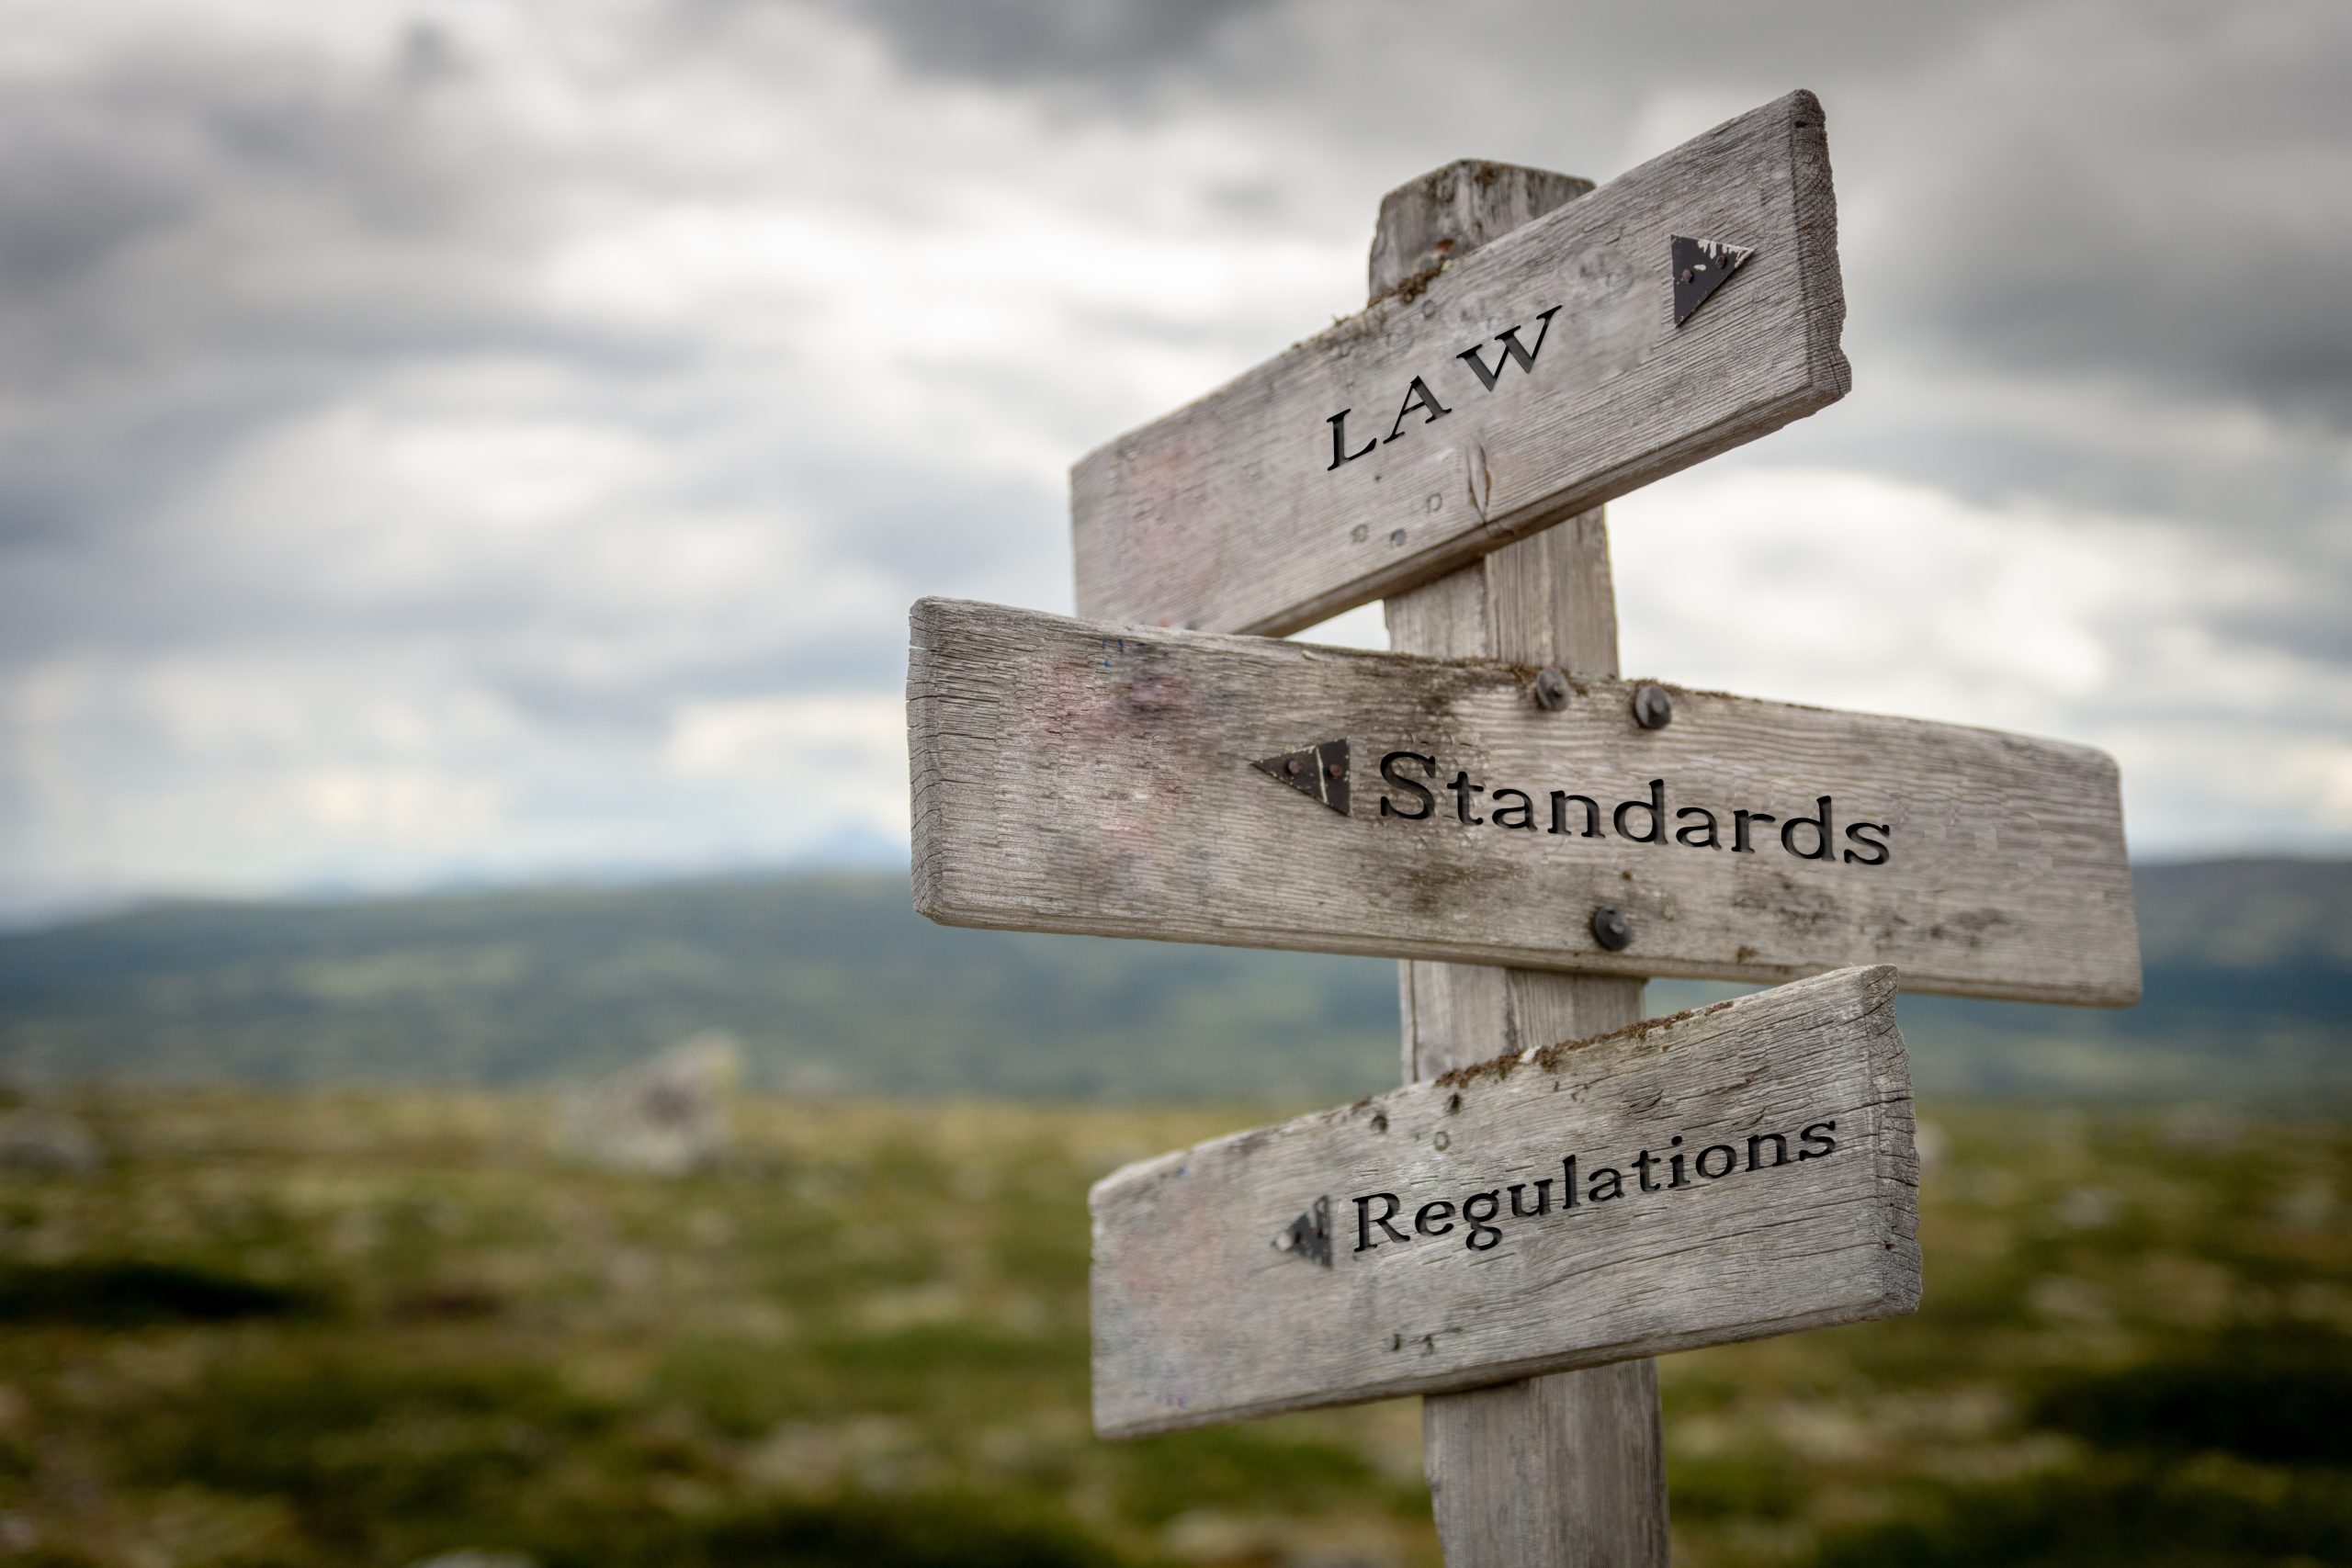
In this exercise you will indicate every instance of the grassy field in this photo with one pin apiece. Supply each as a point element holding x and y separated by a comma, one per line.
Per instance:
<point>366,1329</point>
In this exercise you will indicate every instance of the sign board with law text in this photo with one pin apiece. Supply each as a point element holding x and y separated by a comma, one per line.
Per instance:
<point>1690,305</point>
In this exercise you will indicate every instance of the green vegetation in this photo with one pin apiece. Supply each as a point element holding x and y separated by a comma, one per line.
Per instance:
<point>835,983</point>
<point>277,1330</point>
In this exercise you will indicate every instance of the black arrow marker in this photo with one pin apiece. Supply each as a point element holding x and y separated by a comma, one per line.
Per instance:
<point>1701,266</point>
<point>1320,772</point>
<point>1309,1235</point>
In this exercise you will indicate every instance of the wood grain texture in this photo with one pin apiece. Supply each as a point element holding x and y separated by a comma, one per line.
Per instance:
<point>1455,1014</point>
<point>1199,1316</point>
<point>1227,516</point>
<point>1565,1470</point>
<point>1075,776</point>
<point>1558,1472</point>
<point>1439,217</point>
<point>1546,599</point>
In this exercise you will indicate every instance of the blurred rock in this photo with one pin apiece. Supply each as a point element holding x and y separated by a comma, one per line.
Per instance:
<point>811,1081</point>
<point>1205,1535</point>
<point>2088,1209</point>
<point>2065,1300</point>
<point>2204,1129</point>
<point>665,1117</point>
<point>470,1558</point>
<point>46,1140</point>
<point>2307,1205</point>
<point>879,1454</point>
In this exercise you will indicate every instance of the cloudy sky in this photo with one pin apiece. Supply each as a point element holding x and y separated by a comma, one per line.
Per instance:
<point>499,440</point>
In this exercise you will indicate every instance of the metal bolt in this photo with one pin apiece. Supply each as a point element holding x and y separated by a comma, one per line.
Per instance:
<point>1291,767</point>
<point>1652,709</point>
<point>1552,688</point>
<point>1610,928</point>
<point>1334,769</point>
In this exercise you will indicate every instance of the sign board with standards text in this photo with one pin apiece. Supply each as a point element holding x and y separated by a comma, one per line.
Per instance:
<point>1075,776</point>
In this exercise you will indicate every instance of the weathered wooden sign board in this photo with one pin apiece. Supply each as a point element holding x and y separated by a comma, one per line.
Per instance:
<point>1690,305</point>
<point>1077,776</point>
<point>1741,1170</point>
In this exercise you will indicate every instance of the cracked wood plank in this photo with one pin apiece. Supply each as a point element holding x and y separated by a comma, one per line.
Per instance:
<point>1232,514</point>
<point>1780,1192</point>
<point>1075,776</point>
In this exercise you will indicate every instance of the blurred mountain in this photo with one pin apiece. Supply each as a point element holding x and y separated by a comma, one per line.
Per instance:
<point>831,983</point>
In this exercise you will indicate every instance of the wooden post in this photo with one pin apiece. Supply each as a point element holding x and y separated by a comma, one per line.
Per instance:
<point>1566,1471</point>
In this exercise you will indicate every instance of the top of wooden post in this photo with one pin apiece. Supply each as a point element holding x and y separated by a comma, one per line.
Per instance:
<point>1451,210</point>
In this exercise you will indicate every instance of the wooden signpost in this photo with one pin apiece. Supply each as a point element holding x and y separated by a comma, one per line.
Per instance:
<point>1530,835</point>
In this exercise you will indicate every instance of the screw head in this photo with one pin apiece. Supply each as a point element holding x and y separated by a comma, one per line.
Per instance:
<point>1552,688</point>
<point>1653,708</point>
<point>1291,767</point>
<point>1610,928</point>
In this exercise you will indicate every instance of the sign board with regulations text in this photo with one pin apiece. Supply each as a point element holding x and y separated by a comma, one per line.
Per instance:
<point>1075,776</point>
<point>1740,1171</point>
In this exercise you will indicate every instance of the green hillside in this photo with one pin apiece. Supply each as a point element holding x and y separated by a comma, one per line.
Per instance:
<point>832,982</point>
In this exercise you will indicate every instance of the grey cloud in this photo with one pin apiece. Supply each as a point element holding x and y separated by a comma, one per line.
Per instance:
<point>637,704</point>
<point>180,205</point>
<point>152,377</point>
<point>1103,44</point>
<point>2158,190</point>
<point>2277,510</point>
<point>2058,218</point>
<point>2308,621</point>
<point>2178,220</point>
